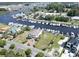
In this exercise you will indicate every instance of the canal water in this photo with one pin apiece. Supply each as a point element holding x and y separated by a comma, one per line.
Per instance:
<point>63,29</point>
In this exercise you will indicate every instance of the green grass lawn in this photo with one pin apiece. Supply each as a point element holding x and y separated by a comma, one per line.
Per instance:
<point>45,39</point>
<point>75,22</point>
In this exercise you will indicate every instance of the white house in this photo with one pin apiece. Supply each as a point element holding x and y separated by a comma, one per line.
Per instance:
<point>75,17</point>
<point>35,33</point>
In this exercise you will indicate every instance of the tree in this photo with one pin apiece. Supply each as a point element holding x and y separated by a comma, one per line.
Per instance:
<point>10,54</point>
<point>41,17</point>
<point>2,43</point>
<point>49,18</point>
<point>35,15</point>
<point>3,9</point>
<point>3,51</point>
<point>62,19</point>
<point>39,54</point>
<point>28,52</point>
<point>12,46</point>
<point>35,9</point>
<point>52,41</point>
<point>71,13</point>
<point>28,28</point>
<point>20,53</point>
<point>59,7</point>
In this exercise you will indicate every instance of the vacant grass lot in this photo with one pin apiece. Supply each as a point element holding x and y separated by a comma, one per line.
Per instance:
<point>45,39</point>
<point>21,38</point>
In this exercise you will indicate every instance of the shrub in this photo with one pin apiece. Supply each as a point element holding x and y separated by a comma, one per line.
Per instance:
<point>3,52</point>
<point>28,52</point>
<point>62,19</point>
<point>28,28</point>
<point>40,54</point>
<point>3,9</point>
<point>10,54</point>
<point>56,53</point>
<point>55,7</point>
<point>47,17</point>
<point>73,12</point>
<point>2,43</point>
<point>12,46</point>
<point>20,53</point>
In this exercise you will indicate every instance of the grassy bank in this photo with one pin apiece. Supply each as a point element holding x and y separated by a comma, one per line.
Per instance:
<point>45,39</point>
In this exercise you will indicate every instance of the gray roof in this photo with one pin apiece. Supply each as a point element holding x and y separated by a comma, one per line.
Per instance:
<point>74,41</point>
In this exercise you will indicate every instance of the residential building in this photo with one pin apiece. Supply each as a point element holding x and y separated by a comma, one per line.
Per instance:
<point>35,33</point>
<point>73,46</point>
<point>75,18</point>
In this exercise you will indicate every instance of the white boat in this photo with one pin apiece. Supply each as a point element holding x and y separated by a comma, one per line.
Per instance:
<point>46,23</point>
<point>39,22</point>
<point>42,22</point>
<point>72,34</point>
<point>50,23</point>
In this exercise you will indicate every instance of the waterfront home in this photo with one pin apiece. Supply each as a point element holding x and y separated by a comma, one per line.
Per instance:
<point>75,18</point>
<point>73,45</point>
<point>35,33</point>
<point>13,30</point>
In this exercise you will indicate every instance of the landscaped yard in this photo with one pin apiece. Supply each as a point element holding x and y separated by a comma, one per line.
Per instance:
<point>22,37</point>
<point>46,38</point>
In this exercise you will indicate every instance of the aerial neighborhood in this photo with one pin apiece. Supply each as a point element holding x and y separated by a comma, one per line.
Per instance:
<point>39,29</point>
